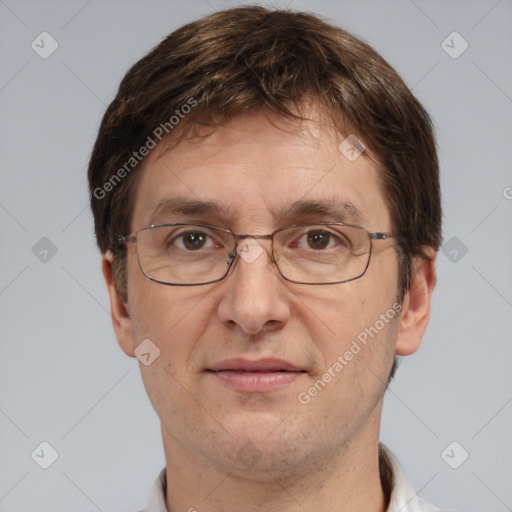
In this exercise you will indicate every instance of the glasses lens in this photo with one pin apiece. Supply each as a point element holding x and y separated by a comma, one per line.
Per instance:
<point>322,254</point>
<point>184,254</point>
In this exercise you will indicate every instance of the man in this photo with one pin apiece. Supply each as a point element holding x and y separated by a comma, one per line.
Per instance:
<point>266,199</point>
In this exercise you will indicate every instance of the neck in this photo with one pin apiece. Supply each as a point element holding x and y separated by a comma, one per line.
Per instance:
<point>348,479</point>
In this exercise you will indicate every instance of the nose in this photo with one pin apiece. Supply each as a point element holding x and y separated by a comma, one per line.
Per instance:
<point>255,298</point>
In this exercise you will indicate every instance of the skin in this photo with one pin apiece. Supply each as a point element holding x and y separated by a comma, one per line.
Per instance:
<point>319,456</point>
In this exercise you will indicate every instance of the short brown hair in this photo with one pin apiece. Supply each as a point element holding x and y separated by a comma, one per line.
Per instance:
<point>248,58</point>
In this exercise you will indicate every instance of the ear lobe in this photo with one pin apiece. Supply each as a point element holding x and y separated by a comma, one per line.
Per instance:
<point>121,320</point>
<point>416,305</point>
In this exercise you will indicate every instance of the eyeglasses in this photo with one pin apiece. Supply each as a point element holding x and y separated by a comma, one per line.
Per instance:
<point>194,254</point>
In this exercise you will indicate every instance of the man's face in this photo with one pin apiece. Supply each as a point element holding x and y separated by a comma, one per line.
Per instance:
<point>255,169</point>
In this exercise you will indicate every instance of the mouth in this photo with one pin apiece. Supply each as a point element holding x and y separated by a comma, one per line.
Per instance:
<point>255,376</point>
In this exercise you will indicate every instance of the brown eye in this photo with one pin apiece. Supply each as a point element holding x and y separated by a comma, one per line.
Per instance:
<point>318,239</point>
<point>194,240</point>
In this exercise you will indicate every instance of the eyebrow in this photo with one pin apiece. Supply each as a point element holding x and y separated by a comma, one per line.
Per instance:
<point>335,208</point>
<point>184,206</point>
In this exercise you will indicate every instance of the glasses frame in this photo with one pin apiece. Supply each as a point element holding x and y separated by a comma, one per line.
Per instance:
<point>132,239</point>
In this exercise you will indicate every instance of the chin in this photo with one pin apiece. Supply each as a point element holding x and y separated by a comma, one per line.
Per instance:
<point>262,443</point>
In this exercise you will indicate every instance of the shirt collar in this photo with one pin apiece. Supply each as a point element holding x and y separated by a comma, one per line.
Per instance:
<point>403,498</point>
<point>394,482</point>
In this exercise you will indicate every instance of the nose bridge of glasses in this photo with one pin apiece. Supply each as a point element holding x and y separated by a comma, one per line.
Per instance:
<point>251,241</point>
<point>258,237</point>
<point>249,247</point>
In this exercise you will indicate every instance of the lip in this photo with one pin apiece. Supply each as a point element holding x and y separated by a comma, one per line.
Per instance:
<point>261,365</point>
<point>255,376</point>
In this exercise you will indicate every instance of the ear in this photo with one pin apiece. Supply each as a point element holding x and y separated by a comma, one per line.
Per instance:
<point>416,305</point>
<point>120,317</point>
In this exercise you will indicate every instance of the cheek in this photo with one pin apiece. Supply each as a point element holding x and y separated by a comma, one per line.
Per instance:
<point>162,315</point>
<point>173,318</point>
<point>354,332</point>
<point>341,312</point>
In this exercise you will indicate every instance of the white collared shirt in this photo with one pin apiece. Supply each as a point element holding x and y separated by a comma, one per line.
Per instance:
<point>403,498</point>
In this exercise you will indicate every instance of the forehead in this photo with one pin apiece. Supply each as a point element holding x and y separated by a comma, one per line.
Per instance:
<point>260,170</point>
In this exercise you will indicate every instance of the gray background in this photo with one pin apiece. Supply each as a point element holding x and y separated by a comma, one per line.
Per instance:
<point>64,379</point>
